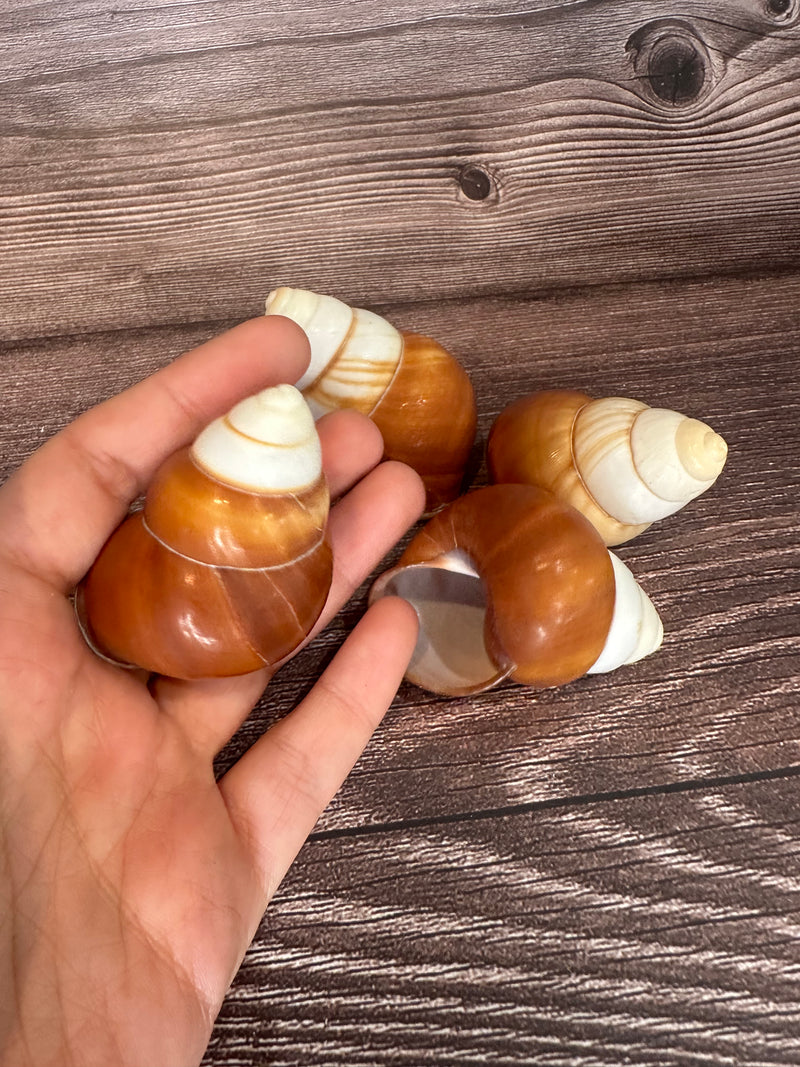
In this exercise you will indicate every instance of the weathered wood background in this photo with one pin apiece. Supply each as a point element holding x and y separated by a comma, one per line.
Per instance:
<point>602,194</point>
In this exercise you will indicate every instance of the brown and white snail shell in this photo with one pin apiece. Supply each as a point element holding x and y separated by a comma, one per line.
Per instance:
<point>226,569</point>
<point>418,395</point>
<point>510,582</point>
<point>621,463</point>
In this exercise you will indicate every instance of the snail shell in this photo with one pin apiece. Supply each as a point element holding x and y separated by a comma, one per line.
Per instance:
<point>226,568</point>
<point>621,463</point>
<point>417,394</point>
<point>509,582</point>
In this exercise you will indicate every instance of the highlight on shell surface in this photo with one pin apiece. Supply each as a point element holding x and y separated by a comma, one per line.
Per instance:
<point>414,390</point>
<point>508,582</point>
<point>623,464</point>
<point>226,568</point>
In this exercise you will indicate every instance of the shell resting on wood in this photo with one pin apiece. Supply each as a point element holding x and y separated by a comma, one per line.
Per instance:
<point>226,568</point>
<point>621,463</point>
<point>417,394</point>
<point>509,582</point>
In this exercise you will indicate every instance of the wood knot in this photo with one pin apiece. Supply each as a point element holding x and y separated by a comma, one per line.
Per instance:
<point>476,183</point>
<point>671,62</point>
<point>782,12</point>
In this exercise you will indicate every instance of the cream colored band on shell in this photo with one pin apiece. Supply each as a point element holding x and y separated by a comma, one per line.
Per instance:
<point>630,459</point>
<point>325,320</point>
<point>354,353</point>
<point>677,457</point>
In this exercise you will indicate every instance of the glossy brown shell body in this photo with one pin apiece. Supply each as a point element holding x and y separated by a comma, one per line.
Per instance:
<point>428,418</point>
<point>208,580</point>
<point>548,578</point>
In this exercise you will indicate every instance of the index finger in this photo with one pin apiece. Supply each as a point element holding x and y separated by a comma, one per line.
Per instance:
<point>58,509</point>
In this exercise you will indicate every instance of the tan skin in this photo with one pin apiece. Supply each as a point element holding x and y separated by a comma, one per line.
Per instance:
<point>131,882</point>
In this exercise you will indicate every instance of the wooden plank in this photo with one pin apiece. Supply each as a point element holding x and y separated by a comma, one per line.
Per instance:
<point>659,930</point>
<point>203,53</point>
<point>151,183</point>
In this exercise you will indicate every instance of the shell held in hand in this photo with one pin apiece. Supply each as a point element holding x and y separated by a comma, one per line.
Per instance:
<point>509,582</point>
<point>418,395</point>
<point>623,464</point>
<point>226,569</point>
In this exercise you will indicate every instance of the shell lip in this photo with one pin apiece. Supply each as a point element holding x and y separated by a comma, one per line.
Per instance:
<point>450,657</point>
<point>84,625</point>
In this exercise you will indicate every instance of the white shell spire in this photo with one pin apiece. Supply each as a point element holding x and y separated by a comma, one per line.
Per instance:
<point>641,464</point>
<point>266,443</point>
<point>636,627</point>
<point>354,353</point>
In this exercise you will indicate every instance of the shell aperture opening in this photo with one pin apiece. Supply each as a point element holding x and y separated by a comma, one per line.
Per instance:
<point>448,596</point>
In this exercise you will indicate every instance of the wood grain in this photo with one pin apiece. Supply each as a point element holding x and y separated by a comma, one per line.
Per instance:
<point>177,178</point>
<point>660,930</point>
<point>592,876</point>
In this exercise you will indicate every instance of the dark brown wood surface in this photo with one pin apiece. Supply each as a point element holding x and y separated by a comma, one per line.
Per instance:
<point>603,874</point>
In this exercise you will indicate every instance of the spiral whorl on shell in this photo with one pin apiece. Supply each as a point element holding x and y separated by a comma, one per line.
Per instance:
<point>621,463</point>
<point>417,394</point>
<point>509,582</point>
<point>226,568</point>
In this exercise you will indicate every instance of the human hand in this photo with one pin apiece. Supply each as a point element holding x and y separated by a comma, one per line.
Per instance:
<point>131,882</point>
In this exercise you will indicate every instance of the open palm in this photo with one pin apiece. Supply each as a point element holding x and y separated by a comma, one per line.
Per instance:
<point>131,882</point>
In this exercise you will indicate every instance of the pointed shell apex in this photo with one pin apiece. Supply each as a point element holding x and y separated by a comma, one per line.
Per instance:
<point>633,458</point>
<point>677,457</point>
<point>702,450</point>
<point>266,443</point>
<point>278,415</point>
<point>325,320</point>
